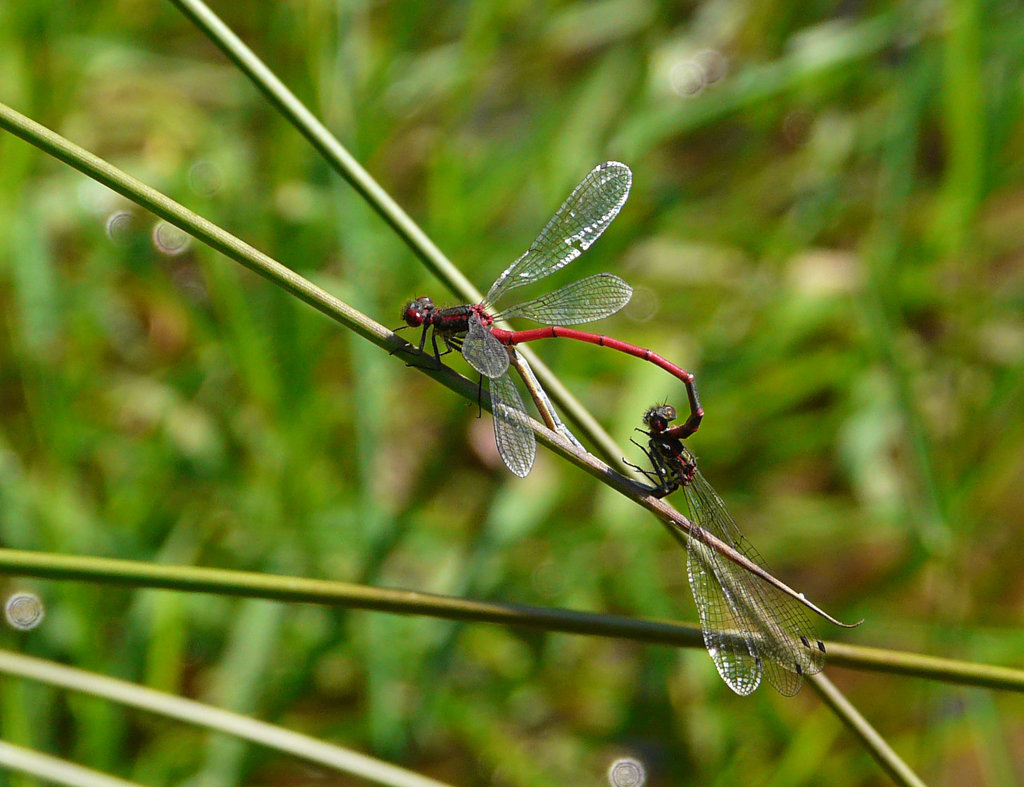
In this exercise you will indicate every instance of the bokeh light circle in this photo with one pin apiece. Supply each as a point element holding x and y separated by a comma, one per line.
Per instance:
<point>627,772</point>
<point>24,611</point>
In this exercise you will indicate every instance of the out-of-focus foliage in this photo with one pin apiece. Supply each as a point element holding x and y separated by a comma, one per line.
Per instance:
<point>826,226</point>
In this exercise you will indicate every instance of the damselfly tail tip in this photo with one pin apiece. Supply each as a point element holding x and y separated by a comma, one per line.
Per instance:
<point>828,617</point>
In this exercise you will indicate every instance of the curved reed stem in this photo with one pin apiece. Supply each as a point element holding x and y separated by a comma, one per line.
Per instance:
<point>301,746</point>
<point>54,770</point>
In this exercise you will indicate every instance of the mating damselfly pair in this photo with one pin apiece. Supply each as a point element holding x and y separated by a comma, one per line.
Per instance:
<point>753,624</point>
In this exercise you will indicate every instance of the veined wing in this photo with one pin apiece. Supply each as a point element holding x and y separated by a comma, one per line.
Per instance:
<point>588,211</point>
<point>512,431</point>
<point>749,625</point>
<point>483,352</point>
<point>727,634</point>
<point>592,298</point>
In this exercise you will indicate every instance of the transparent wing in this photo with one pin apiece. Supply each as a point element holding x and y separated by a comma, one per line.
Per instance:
<point>728,639</point>
<point>588,211</point>
<point>749,625</point>
<point>483,352</point>
<point>592,298</point>
<point>512,431</point>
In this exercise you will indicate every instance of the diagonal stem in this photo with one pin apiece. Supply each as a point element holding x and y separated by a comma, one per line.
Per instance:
<point>236,249</point>
<point>883,753</point>
<point>194,224</point>
<point>349,168</point>
<point>53,770</point>
<point>226,243</point>
<point>225,721</point>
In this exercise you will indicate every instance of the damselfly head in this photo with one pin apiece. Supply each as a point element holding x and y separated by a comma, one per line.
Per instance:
<point>416,311</point>
<point>658,418</point>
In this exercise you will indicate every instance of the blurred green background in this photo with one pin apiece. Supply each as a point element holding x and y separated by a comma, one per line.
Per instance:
<point>826,227</point>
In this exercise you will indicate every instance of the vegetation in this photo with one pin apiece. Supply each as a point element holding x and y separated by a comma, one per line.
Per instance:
<point>824,228</point>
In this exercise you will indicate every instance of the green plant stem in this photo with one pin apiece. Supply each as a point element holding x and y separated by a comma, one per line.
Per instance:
<point>316,591</point>
<point>897,662</point>
<point>300,746</point>
<point>54,770</point>
<point>294,589</point>
<point>206,231</point>
<point>242,252</point>
<point>349,168</point>
<point>875,743</point>
<point>288,104</point>
<point>226,243</point>
<point>238,250</point>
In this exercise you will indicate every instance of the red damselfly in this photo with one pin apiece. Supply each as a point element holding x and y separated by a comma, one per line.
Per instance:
<point>588,211</point>
<point>751,626</point>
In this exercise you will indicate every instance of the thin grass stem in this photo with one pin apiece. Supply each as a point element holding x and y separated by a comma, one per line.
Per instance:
<point>226,243</point>
<point>236,249</point>
<point>54,770</point>
<point>318,591</point>
<point>886,756</point>
<point>293,589</point>
<point>897,662</point>
<point>288,104</point>
<point>270,735</point>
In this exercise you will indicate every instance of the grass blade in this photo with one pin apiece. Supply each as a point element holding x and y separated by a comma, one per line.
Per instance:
<point>407,602</point>
<point>53,769</point>
<point>192,712</point>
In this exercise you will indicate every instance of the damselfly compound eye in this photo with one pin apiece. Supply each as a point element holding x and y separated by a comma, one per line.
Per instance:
<point>413,312</point>
<point>627,772</point>
<point>24,611</point>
